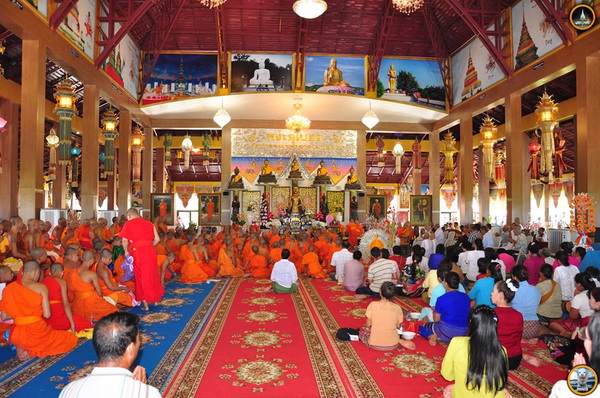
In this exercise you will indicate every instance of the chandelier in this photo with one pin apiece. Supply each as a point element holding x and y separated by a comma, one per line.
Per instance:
<point>546,111</point>
<point>370,119</point>
<point>310,9</point>
<point>407,6</point>
<point>297,122</point>
<point>488,132</point>
<point>212,3</point>
<point>222,117</point>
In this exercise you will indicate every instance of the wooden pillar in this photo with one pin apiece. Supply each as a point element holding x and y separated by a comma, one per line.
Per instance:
<point>160,170</point>
<point>124,194</point>
<point>587,178</point>
<point>465,170</point>
<point>9,179</point>
<point>147,165</point>
<point>33,89</point>
<point>518,187</point>
<point>225,173</point>
<point>417,177</point>
<point>434,174</point>
<point>90,151</point>
<point>361,172</point>
<point>111,189</point>
<point>484,189</point>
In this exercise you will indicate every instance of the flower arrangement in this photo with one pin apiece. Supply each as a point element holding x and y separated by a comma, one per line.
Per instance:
<point>583,214</point>
<point>319,216</point>
<point>250,207</point>
<point>241,219</point>
<point>338,209</point>
<point>270,216</point>
<point>282,213</point>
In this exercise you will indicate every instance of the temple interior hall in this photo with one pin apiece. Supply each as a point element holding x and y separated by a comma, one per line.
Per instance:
<point>389,118</point>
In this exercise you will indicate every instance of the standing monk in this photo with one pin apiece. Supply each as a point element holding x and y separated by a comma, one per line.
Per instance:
<point>139,238</point>
<point>210,209</point>
<point>162,208</point>
<point>27,302</point>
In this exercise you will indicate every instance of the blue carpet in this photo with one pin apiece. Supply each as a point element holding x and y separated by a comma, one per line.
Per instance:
<point>166,331</point>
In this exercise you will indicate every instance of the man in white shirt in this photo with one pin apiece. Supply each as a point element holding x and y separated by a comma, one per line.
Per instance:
<point>382,270</point>
<point>116,342</point>
<point>284,275</point>
<point>338,260</point>
<point>488,237</point>
<point>440,237</point>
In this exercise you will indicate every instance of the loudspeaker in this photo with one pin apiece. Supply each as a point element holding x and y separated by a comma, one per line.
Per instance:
<point>225,193</point>
<point>361,194</point>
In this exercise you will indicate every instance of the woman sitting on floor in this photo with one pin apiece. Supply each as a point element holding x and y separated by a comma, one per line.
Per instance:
<point>477,364</point>
<point>510,323</point>
<point>451,314</point>
<point>383,319</point>
<point>591,337</point>
<point>550,307</point>
<point>526,301</point>
<point>481,293</point>
<point>577,309</point>
<point>413,275</point>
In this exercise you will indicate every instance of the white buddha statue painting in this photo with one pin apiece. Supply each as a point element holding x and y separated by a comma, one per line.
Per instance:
<point>262,76</point>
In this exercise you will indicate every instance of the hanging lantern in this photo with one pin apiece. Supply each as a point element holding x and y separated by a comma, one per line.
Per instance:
<point>488,132</point>
<point>186,146</point>
<point>559,157</point>
<point>206,149</point>
<point>222,117</point>
<point>416,149</point>
<point>53,141</point>
<point>137,144</point>
<point>448,149</point>
<point>398,151</point>
<point>65,109</point>
<point>110,121</point>
<point>546,111</point>
<point>370,119</point>
<point>167,143</point>
<point>499,173</point>
<point>534,151</point>
<point>75,155</point>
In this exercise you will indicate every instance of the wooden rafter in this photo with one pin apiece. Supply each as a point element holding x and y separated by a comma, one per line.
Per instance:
<point>439,47</point>
<point>379,44</point>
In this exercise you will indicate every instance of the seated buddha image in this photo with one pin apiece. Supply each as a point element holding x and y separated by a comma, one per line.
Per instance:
<point>352,181</point>
<point>322,176</point>
<point>262,76</point>
<point>295,170</point>
<point>333,80</point>
<point>267,173</point>
<point>236,179</point>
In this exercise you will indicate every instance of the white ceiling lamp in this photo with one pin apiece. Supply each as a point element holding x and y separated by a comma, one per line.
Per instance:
<point>212,3</point>
<point>407,6</point>
<point>398,151</point>
<point>370,119</point>
<point>222,117</point>
<point>310,9</point>
<point>186,146</point>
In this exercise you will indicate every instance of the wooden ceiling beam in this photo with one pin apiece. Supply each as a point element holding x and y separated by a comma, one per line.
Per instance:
<point>379,44</point>
<point>61,13</point>
<point>554,15</point>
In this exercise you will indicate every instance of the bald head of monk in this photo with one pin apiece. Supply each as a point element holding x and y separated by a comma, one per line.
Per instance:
<point>275,245</point>
<point>88,257</point>
<point>39,254</point>
<point>132,213</point>
<point>56,270</point>
<point>72,253</point>
<point>255,249</point>
<point>311,248</point>
<point>98,244</point>
<point>6,274</point>
<point>31,270</point>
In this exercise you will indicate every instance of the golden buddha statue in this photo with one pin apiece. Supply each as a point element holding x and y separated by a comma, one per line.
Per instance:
<point>352,181</point>
<point>322,176</point>
<point>267,173</point>
<point>295,170</point>
<point>392,76</point>
<point>295,206</point>
<point>333,76</point>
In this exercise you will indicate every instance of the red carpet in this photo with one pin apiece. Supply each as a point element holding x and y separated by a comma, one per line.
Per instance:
<point>415,373</point>
<point>258,343</point>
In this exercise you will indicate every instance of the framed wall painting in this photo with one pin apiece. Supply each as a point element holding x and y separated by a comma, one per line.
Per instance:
<point>335,74</point>
<point>420,209</point>
<point>261,72</point>
<point>309,198</point>
<point>163,205</point>
<point>335,202</point>
<point>280,199</point>
<point>377,206</point>
<point>209,206</point>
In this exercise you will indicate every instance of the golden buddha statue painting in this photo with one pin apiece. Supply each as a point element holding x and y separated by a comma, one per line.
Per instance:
<point>352,180</point>
<point>322,176</point>
<point>295,172</point>
<point>236,179</point>
<point>267,173</point>
<point>333,80</point>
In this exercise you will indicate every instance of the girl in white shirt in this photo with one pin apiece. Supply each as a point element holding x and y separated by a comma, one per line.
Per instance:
<point>564,274</point>
<point>578,308</point>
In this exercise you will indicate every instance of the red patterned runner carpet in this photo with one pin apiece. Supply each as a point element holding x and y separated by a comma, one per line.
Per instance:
<point>413,373</point>
<point>258,344</point>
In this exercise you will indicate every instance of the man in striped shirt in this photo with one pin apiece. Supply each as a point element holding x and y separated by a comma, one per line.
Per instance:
<point>382,270</point>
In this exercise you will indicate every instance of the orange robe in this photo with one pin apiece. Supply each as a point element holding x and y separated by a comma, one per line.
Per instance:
<point>275,255</point>
<point>214,248</point>
<point>191,271</point>
<point>353,233</point>
<point>119,272</point>
<point>210,210</point>
<point>59,320</point>
<point>210,268</point>
<point>160,249</point>
<point>311,260</point>
<point>274,238</point>
<point>263,251</point>
<point>30,331</point>
<point>333,249</point>
<point>87,303</point>
<point>160,259</point>
<point>226,267</point>
<point>83,235</point>
<point>296,257</point>
<point>258,267</point>
<point>119,297</point>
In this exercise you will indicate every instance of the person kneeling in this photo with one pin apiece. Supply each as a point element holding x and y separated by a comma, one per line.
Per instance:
<point>116,342</point>
<point>284,275</point>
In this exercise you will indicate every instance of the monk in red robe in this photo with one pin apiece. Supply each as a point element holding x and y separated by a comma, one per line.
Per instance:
<point>312,265</point>
<point>139,238</point>
<point>27,303</point>
<point>62,318</point>
<point>257,265</point>
<point>120,294</point>
<point>88,299</point>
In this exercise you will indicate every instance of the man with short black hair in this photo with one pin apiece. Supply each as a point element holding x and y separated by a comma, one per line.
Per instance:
<point>284,275</point>
<point>116,342</point>
<point>380,271</point>
<point>338,260</point>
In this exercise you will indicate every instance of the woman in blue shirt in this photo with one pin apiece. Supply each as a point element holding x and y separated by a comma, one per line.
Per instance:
<point>526,301</point>
<point>482,290</point>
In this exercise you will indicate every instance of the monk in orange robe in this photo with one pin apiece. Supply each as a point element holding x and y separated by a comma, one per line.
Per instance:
<point>28,304</point>
<point>84,283</point>
<point>191,272</point>
<point>6,276</point>
<point>226,260</point>
<point>120,294</point>
<point>68,236</point>
<point>62,318</point>
<point>296,254</point>
<point>162,208</point>
<point>251,241</point>
<point>257,265</point>
<point>163,262</point>
<point>263,248</point>
<point>115,228</point>
<point>274,254</point>
<point>311,261</point>
<point>83,235</point>
<point>210,209</point>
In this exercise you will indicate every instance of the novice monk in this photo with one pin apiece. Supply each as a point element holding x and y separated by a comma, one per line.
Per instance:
<point>311,261</point>
<point>120,294</point>
<point>26,302</point>
<point>62,318</point>
<point>84,283</point>
<point>227,266</point>
<point>163,262</point>
<point>257,265</point>
<point>274,254</point>
<point>191,272</point>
